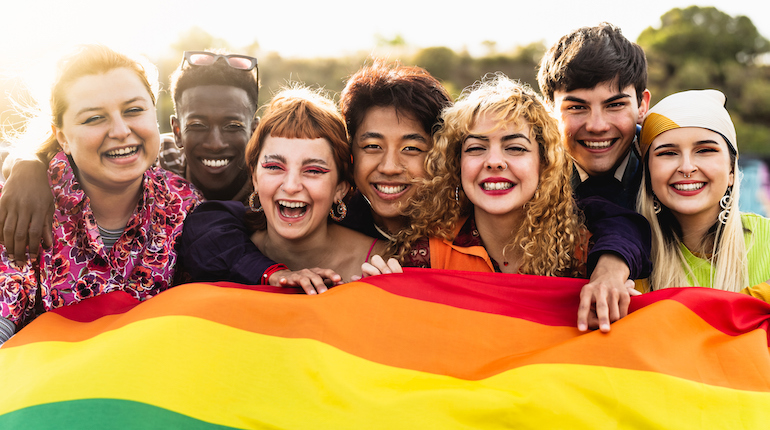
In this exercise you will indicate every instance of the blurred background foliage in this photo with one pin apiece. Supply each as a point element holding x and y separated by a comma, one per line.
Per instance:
<point>692,48</point>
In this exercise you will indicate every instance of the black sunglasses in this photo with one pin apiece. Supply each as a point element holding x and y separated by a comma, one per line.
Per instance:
<point>236,61</point>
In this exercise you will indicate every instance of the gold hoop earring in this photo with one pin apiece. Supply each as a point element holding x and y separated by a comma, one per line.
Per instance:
<point>253,199</point>
<point>340,213</point>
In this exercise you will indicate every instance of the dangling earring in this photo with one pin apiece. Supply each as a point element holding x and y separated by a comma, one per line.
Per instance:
<point>656,206</point>
<point>342,211</point>
<point>726,203</point>
<point>253,199</point>
<point>457,194</point>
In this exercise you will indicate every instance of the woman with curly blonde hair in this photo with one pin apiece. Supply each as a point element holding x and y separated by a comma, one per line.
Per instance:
<point>497,166</point>
<point>497,197</point>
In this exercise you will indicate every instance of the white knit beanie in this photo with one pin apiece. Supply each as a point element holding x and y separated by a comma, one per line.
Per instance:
<point>695,108</point>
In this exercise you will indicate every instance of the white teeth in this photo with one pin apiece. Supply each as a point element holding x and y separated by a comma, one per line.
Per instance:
<point>122,152</point>
<point>215,163</point>
<point>690,187</point>
<point>286,205</point>
<point>491,186</point>
<point>388,189</point>
<point>598,145</point>
<point>292,205</point>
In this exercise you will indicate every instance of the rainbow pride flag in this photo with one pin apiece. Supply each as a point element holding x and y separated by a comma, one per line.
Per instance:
<point>426,349</point>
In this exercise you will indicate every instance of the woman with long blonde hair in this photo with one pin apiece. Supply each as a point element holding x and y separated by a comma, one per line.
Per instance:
<point>690,193</point>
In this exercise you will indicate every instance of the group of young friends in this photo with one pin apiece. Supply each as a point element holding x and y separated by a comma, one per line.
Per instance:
<point>313,195</point>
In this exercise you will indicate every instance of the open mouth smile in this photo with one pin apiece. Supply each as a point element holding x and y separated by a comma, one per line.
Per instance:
<point>291,209</point>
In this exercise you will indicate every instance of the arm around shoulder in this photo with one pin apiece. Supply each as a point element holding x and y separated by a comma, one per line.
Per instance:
<point>618,231</point>
<point>216,246</point>
<point>26,209</point>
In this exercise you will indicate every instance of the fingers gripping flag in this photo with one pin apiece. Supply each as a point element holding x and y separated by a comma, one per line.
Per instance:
<point>425,349</point>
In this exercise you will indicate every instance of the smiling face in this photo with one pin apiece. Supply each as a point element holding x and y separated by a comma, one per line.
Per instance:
<point>598,124</point>
<point>213,125</point>
<point>704,157</point>
<point>388,153</point>
<point>297,181</point>
<point>110,130</point>
<point>500,166</point>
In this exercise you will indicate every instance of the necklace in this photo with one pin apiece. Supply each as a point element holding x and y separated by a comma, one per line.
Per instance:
<point>386,235</point>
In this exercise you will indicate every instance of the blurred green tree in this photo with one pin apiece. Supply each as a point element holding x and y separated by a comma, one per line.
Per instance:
<point>440,61</point>
<point>703,47</point>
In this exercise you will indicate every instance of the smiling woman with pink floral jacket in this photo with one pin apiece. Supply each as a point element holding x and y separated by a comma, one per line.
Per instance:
<point>116,219</point>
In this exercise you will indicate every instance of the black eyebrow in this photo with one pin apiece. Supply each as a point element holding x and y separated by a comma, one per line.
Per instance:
<point>371,135</point>
<point>414,136</point>
<point>676,145</point>
<point>376,135</point>
<point>226,117</point>
<point>575,99</point>
<point>609,100</point>
<point>516,136</point>
<point>707,142</point>
<point>617,97</point>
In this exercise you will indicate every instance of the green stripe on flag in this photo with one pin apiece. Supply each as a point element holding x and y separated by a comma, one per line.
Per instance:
<point>99,414</point>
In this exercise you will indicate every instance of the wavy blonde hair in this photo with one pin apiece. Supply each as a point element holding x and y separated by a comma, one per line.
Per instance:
<point>552,230</point>
<point>728,252</point>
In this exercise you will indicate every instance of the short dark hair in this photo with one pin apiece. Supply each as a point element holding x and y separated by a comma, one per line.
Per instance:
<point>589,56</point>
<point>410,90</point>
<point>219,73</point>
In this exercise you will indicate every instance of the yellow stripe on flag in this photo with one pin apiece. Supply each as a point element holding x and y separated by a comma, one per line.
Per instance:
<point>241,379</point>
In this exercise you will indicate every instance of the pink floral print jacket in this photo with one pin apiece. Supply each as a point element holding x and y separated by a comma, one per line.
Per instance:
<point>79,266</point>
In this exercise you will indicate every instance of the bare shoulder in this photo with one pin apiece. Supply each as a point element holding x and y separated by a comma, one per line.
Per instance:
<point>356,242</point>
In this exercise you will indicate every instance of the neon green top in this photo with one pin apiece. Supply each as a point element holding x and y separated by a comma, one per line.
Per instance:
<point>757,236</point>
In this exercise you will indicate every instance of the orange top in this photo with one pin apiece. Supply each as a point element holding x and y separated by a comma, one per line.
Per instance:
<point>444,254</point>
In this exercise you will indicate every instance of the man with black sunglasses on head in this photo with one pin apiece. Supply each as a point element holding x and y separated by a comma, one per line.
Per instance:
<point>215,99</point>
<point>215,102</point>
